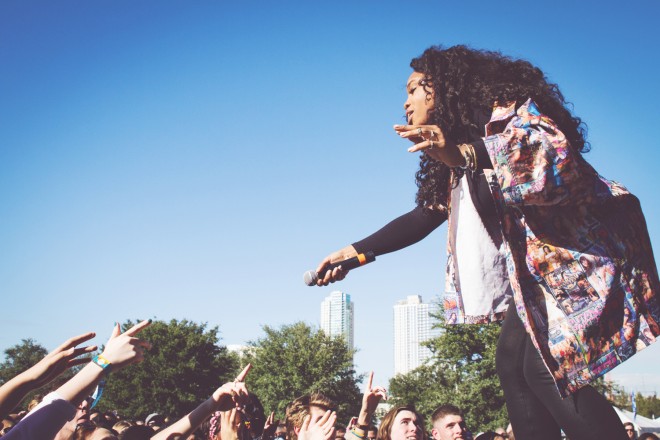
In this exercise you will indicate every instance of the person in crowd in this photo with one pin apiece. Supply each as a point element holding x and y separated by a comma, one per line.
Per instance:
<point>448,424</point>
<point>372,432</point>
<point>648,436</point>
<point>50,416</point>
<point>65,356</point>
<point>311,417</point>
<point>400,423</point>
<point>630,430</point>
<point>340,432</point>
<point>226,399</point>
<point>122,425</point>
<point>280,432</point>
<point>503,183</point>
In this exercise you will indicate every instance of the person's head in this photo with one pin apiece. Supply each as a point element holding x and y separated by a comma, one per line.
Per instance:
<point>122,425</point>
<point>648,436</point>
<point>461,85</point>
<point>280,431</point>
<point>372,432</point>
<point>7,424</point>
<point>103,434</point>
<point>155,420</point>
<point>402,423</point>
<point>630,430</point>
<point>315,405</point>
<point>340,431</point>
<point>137,432</point>
<point>252,416</point>
<point>448,423</point>
<point>500,434</point>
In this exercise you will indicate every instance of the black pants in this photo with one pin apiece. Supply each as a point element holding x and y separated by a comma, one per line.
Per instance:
<point>536,410</point>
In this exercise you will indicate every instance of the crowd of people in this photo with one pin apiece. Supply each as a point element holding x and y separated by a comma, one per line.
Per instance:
<point>230,413</point>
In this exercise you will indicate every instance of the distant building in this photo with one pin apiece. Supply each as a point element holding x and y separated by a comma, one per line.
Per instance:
<point>412,326</point>
<point>337,316</point>
<point>240,350</point>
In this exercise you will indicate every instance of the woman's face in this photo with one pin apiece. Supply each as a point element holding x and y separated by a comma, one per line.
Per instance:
<point>405,427</point>
<point>419,102</point>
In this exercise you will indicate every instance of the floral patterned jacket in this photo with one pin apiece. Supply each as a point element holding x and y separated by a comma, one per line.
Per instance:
<point>578,255</point>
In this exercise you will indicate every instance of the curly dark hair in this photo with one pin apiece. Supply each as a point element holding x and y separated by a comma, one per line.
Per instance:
<point>466,83</point>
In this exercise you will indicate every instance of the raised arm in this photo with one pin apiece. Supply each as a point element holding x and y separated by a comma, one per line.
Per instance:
<point>52,365</point>
<point>225,398</point>
<point>372,396</point>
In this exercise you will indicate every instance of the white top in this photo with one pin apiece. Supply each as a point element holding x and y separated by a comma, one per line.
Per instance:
<point>480,267</point>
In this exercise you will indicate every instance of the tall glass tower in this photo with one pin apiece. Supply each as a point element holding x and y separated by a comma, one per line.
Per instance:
<point>412,325</point>
<point>337,316</point>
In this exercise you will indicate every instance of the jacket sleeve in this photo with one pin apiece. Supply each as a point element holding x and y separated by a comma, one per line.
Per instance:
<point>533,161</point>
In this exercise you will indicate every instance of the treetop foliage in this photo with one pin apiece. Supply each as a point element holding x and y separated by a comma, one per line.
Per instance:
<point>296,359</point>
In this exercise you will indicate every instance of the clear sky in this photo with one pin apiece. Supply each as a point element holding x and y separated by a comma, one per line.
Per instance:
<point>173,159</point>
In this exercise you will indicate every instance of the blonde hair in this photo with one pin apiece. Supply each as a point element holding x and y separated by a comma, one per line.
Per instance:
<point>297,410</point>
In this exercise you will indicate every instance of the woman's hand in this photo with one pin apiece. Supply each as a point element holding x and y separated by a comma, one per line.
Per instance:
<point>62,358</point>
<point>370,399</point>
<point>124,349</point>
<point>337,274</point>
<point>432,141</point>
<point>269,427</point>
<point>231,394</point>
<point>229,424</point>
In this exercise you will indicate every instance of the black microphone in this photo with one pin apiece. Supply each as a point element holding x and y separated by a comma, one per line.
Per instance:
<point>310,277</point>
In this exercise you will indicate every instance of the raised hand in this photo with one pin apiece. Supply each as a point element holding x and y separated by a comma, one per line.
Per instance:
<point>433,142</point>
<point>62,358</point>
<point>270,426</point>
<point>124,349</point>
<point>229,424</point>
<point>370,399</point>
<point>231,394</point>
<point>321,429</point>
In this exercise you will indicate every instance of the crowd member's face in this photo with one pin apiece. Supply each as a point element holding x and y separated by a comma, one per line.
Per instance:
<point>405,427</point>
<point>371,434</point>
<point>419,102</point>
<point>280,432</point>
<point>630,431</point>
<point>339,434</point>
<point>449,427</point>
<point>315,414</point>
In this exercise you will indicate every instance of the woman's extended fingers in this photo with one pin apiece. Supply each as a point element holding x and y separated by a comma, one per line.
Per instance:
<point>137,328</point>
<point>72,342</point>
<point>242,374</point>
<point>369,382</point>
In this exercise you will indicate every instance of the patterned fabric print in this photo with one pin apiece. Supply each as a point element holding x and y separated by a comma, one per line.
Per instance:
<point>579,257</point>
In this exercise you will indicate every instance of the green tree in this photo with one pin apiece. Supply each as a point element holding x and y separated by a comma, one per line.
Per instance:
<point>461,372</point>
<point>295,360</point>
<point>183,368</point>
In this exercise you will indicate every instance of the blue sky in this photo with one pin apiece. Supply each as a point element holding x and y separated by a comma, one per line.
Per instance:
<point>172,159</point>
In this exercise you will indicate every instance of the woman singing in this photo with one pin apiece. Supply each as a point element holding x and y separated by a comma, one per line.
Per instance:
<point>534,233</point>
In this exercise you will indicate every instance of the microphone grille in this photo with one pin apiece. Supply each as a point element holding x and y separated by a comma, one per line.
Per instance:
<point>310,277</point>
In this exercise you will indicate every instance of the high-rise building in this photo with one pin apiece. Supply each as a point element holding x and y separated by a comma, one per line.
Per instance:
<point>412,326</point>
<point>337,316</point>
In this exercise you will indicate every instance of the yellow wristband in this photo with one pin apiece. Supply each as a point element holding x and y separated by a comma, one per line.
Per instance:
<point>102,362</point>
